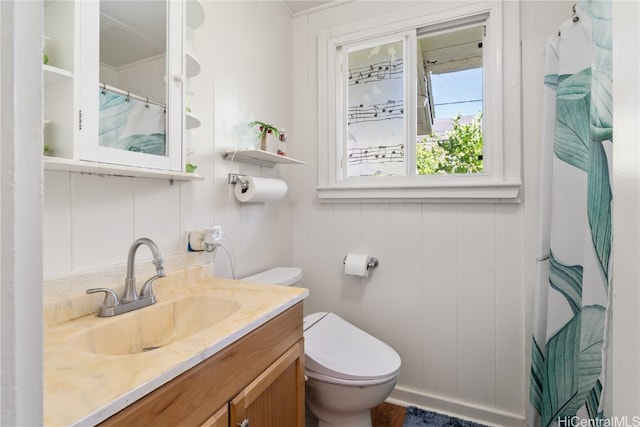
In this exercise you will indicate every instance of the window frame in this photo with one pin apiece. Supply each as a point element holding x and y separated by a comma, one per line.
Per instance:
<point>501,180</point>
<point>342,108</point>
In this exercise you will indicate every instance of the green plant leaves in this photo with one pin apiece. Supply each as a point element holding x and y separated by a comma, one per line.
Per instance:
<point>573,103</point>
<point>582,123</point>
<point>567,279</point>
<point>537,376</point>
<point>599,198</point>
<point>566,378</point>
<point>460,152</point>
<point>573,364</point>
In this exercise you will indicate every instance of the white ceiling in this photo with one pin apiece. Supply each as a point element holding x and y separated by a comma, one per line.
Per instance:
<point>134,30</point>
<point>301,6</point>
<point>131,31</point>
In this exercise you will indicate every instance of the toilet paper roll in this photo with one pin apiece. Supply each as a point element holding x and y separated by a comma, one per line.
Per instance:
<point>260,189</point>
<point>356,265</point>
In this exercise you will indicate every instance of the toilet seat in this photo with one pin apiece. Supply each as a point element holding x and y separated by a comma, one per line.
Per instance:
<point>344,354</point>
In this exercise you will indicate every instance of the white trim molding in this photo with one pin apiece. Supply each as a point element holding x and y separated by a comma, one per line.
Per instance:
<point>453,407</point>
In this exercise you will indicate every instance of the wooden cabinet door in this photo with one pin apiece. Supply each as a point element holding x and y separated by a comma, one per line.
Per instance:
<point>276,397</point>
<point>220,419</point>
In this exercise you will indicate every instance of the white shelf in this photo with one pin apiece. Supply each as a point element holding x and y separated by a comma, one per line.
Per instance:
<point>193,65</point>
<point>259,157</point>
<point>192,120</point>
<point>53,75</point>
<point>68,165</point>
<point>195,14</point>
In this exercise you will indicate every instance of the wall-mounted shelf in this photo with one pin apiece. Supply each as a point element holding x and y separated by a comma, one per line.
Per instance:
<point>54,75</point>
<point>191,120</point>
<point>68,165</point>
<point>195,14</point>
<point>193,65</point>
<point>259,157</point>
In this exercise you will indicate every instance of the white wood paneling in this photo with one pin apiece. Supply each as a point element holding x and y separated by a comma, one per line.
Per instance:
<point>475,267</point>
<point>21,205</point>
<point>439,299</point>
<point>348,290</point>
<point>404,270</point>
<point>625,373</point>
<point>157,214</point>
<point>56,222</point>
<point>102,220</point>
<point>376,228</point>
<point>509,313</point>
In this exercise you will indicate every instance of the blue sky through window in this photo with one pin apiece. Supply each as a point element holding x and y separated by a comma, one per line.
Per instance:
<point>457,92</point>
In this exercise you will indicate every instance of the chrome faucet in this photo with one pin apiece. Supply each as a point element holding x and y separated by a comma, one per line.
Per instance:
<point>130,300</point>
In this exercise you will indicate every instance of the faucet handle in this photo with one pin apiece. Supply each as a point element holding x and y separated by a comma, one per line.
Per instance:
<point>147,288</point>
<point>110,297</point>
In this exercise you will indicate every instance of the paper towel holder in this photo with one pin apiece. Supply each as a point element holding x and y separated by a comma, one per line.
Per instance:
<point>372,264</point>
<point>235,178</point>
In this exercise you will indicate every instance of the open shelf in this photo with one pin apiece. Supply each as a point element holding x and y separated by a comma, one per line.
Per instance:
<point>68,165</point>
<point>53,75</point>
<point>193,65</point>
<point>259,157</point>
<point>191,120</point>
<point>195,13</point>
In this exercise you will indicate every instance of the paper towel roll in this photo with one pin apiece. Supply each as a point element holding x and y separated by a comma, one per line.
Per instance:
<point>260,189</point>
<point>356,265</point>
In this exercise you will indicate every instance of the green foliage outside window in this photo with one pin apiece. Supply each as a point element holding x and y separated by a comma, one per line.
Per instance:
<point>459,152</point>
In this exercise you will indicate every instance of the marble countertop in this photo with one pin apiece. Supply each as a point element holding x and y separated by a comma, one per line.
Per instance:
<point>83,388</point>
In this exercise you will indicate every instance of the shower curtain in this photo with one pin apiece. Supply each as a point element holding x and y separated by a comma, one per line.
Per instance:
<point>127,124</point>
<point>569,345</point>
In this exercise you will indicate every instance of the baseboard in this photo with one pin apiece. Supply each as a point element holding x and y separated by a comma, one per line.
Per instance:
<point>489,416</point>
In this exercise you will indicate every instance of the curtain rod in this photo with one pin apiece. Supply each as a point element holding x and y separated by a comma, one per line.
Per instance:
<point>128,94</point>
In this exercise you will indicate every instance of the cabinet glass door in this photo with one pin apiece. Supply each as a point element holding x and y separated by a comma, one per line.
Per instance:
<point>131,83</point>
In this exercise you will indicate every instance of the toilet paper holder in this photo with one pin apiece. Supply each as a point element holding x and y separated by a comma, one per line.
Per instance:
<point>372,264</point>
<point>235,178</point>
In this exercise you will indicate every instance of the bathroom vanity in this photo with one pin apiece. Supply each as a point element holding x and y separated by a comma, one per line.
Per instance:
<point>211,352</point>
<point>259,378</point>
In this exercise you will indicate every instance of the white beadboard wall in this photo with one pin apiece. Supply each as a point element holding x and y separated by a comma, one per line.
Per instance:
<point>90,221</point>
<point>453,292</point>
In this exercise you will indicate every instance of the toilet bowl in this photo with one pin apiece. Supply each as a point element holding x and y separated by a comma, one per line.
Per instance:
<point>349,371</point>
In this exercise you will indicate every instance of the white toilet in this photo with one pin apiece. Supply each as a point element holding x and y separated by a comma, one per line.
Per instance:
<point>349,371</point>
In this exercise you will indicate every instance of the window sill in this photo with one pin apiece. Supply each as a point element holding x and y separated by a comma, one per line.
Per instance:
<point>499,192</point>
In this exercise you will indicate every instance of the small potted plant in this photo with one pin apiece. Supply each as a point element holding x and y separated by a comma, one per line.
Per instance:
<point>265,129</point>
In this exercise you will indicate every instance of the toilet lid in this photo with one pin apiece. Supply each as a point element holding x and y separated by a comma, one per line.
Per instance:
<point>336,348</point>
<point>285,276</point>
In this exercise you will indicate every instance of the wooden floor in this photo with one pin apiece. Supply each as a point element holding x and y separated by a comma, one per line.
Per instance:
<point>387,415</point>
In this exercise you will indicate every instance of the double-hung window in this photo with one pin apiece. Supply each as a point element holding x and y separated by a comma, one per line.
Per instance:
<point>415,109</point>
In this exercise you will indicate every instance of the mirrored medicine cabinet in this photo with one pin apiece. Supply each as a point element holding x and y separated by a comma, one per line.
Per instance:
<point>115,75</point>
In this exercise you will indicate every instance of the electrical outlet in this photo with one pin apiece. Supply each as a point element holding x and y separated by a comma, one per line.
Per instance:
<point>194,239</point>
<point>217,232</point>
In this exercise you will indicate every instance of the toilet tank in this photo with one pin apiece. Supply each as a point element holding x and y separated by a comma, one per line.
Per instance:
<point>284,276</point>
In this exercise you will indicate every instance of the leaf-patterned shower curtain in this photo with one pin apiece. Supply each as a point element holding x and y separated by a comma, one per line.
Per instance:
<point>569,346</point>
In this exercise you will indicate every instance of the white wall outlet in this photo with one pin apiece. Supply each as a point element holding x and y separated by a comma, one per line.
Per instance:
<point>196,237</point>
<point>217,232</point>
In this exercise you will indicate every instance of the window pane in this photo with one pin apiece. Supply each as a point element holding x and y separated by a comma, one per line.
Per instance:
<point>449,120</point>
<point>375,116</point>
